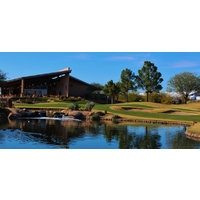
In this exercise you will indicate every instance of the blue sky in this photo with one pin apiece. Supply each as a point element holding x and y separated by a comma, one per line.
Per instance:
<point>99,67</point>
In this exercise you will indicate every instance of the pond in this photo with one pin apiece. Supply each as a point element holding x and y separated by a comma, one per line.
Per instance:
<point>68,134</point>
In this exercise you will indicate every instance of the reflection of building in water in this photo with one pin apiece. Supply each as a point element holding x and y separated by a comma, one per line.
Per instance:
<point>51,131</point>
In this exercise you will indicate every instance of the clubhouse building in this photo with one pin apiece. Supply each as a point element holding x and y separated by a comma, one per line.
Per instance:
<point>50,84</point>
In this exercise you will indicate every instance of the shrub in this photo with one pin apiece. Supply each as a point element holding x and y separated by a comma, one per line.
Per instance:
<point>95,117</point>
<point>62,97</point>
<point>73,106</point>
<point>89,106</point>
<point>115,117</point>
<point>3,104</point>
<point>132,97</point>
<point>160,98</point>
<point>4,112</point>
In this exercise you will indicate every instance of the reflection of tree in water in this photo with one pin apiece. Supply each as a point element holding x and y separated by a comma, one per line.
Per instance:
<point>111,132</point>
<point>59,132</point>
<point>92,128</point>
<point>64,133</point>
<point>52,131</point>
<point>1,136</point>
<point>149,139</point>
<point>2,127</point>
<point>126,140</point>
<point>180,141</point>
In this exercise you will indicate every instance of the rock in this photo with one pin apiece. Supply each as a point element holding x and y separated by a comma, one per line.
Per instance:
<point>100,113</point>
<point>64,111</point>
<point>33,114</point>
<point>13,116</point>
<point>58,114</point>
<point>90,114</point>
<point>43,113</point>
<point>76,115</point>
<point>23,113</point>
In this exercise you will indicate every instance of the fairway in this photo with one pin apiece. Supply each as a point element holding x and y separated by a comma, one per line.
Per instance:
<point>144,110</point>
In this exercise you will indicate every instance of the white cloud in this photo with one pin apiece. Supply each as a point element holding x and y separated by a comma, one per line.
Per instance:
<point>137,56</point>
<point>185,64</point>
<point>121,58</point>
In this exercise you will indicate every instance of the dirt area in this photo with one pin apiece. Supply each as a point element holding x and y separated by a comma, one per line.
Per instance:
<point>182,113</point>
<point>172,112</point>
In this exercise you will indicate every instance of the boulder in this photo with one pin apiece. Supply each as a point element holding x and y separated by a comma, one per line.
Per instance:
<point>100,113</point>
<point>13,116</point>
<point>43,113</point>
<point>58,114</point>
<point>76,115</point>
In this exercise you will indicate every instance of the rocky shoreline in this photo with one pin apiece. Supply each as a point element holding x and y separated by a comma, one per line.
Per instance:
<point>148,121</point>
<point>192,136</point>
<point>83,115</point>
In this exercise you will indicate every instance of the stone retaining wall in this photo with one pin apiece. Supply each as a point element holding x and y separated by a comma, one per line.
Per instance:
<point>192,135</point>
<point>147,121</point>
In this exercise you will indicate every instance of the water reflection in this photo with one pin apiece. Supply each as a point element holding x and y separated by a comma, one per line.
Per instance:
<point>73,134</point>
<point>179,141</point>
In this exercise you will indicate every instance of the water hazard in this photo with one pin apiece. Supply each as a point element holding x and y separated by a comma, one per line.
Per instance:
<point>46,133</point>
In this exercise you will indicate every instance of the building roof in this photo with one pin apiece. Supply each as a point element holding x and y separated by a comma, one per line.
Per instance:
<point>43,77</point>
<point>46,75</point>
<point>76,79</point>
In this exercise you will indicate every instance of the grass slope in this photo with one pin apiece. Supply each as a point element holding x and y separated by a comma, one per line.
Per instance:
<point>195,129</point>
<point>145,110</point>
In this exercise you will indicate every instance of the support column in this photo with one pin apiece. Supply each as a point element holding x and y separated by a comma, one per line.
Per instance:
<point>9,91</point>
<point>22,88</point>
<point>67,84</point>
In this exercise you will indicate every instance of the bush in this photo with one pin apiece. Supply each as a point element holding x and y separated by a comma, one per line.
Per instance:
<point>160,98</point>
<point>4,112</point>
<point>95,117</point>
<point>71,98</point>
<point>73,106</point>
<point>115,117</point>
<point>3,104</point>
<point>132,97</point>
<point>89,106</point>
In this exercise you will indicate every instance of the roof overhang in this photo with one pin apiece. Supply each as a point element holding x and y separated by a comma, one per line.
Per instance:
<point>38,78</point>
<point>42,78</point>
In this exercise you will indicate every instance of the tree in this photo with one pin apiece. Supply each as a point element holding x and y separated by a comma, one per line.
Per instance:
<point>149,78</point>
<point>111,89</point>
<point>127,82</point>
<point>95,88</point>
<point>2,78</point>
<point>184,83</point>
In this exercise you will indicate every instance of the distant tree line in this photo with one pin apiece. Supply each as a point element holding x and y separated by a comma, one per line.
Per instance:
<point>148,79</point>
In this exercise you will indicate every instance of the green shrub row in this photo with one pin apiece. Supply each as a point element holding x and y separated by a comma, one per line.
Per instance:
<point>88,107</point>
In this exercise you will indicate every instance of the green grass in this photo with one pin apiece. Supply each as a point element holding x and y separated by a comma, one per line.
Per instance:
<point>55,104</point>
<point>186,109</point>
<point>194,129</point>
<point>159,116</point>
<point>155,111</point>
<point>148,115</point>
<point>136,105</point>
<point>147,111</point>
